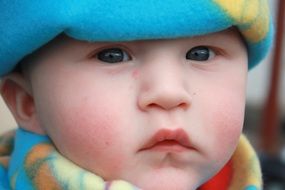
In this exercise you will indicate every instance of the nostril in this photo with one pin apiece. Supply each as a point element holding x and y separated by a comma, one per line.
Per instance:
<point>184,106</point>
<point>153,105</point>
<point>169,106</point>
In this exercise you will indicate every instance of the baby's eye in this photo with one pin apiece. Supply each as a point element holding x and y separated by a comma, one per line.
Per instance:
<point>200,53</point>
<point>113,55</point>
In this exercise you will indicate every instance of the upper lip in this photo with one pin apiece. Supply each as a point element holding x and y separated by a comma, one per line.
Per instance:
<point>177,135</point>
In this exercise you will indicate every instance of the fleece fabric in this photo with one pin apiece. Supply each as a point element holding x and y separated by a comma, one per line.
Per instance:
<point>29,161</point>
<point>27,25</point>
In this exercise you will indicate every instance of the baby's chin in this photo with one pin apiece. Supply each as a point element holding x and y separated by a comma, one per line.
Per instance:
<point>167,179</point>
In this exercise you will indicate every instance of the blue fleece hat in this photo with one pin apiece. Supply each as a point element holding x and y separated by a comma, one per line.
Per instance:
<point>26,25</point>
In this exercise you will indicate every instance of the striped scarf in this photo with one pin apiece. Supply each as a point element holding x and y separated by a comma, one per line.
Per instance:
<point>30,162</point>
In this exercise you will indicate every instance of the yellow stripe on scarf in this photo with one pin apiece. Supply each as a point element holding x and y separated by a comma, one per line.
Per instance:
<point>246,166</point>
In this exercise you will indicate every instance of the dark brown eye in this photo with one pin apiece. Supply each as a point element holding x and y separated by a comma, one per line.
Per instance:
<point>200,53</point>
<point>113,55</point>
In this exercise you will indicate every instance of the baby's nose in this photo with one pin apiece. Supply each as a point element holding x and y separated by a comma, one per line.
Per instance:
<point>164,88</point>
<point>165,99</point>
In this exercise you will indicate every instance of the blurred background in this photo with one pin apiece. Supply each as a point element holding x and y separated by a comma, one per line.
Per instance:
<point>265,110</point>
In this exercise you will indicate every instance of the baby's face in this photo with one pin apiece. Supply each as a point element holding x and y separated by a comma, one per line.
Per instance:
<point>162,114</point>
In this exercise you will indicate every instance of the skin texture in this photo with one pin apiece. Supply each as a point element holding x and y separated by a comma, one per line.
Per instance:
<point>101,115</point>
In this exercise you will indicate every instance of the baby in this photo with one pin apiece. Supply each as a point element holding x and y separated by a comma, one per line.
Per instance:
<point>129,94</point>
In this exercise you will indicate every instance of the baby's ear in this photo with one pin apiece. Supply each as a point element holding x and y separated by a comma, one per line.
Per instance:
<point>17,94</point>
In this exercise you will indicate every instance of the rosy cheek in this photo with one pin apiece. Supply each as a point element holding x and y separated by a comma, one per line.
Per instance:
<point>226,121</point>
<point>135,74</point>
<point>93,128</point>
<point>92,140</point>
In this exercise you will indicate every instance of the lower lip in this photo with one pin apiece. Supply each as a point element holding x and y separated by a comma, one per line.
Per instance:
<point>169,146</point>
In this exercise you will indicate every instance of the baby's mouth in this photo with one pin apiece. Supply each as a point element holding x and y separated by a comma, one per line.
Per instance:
<point>166,140</point>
